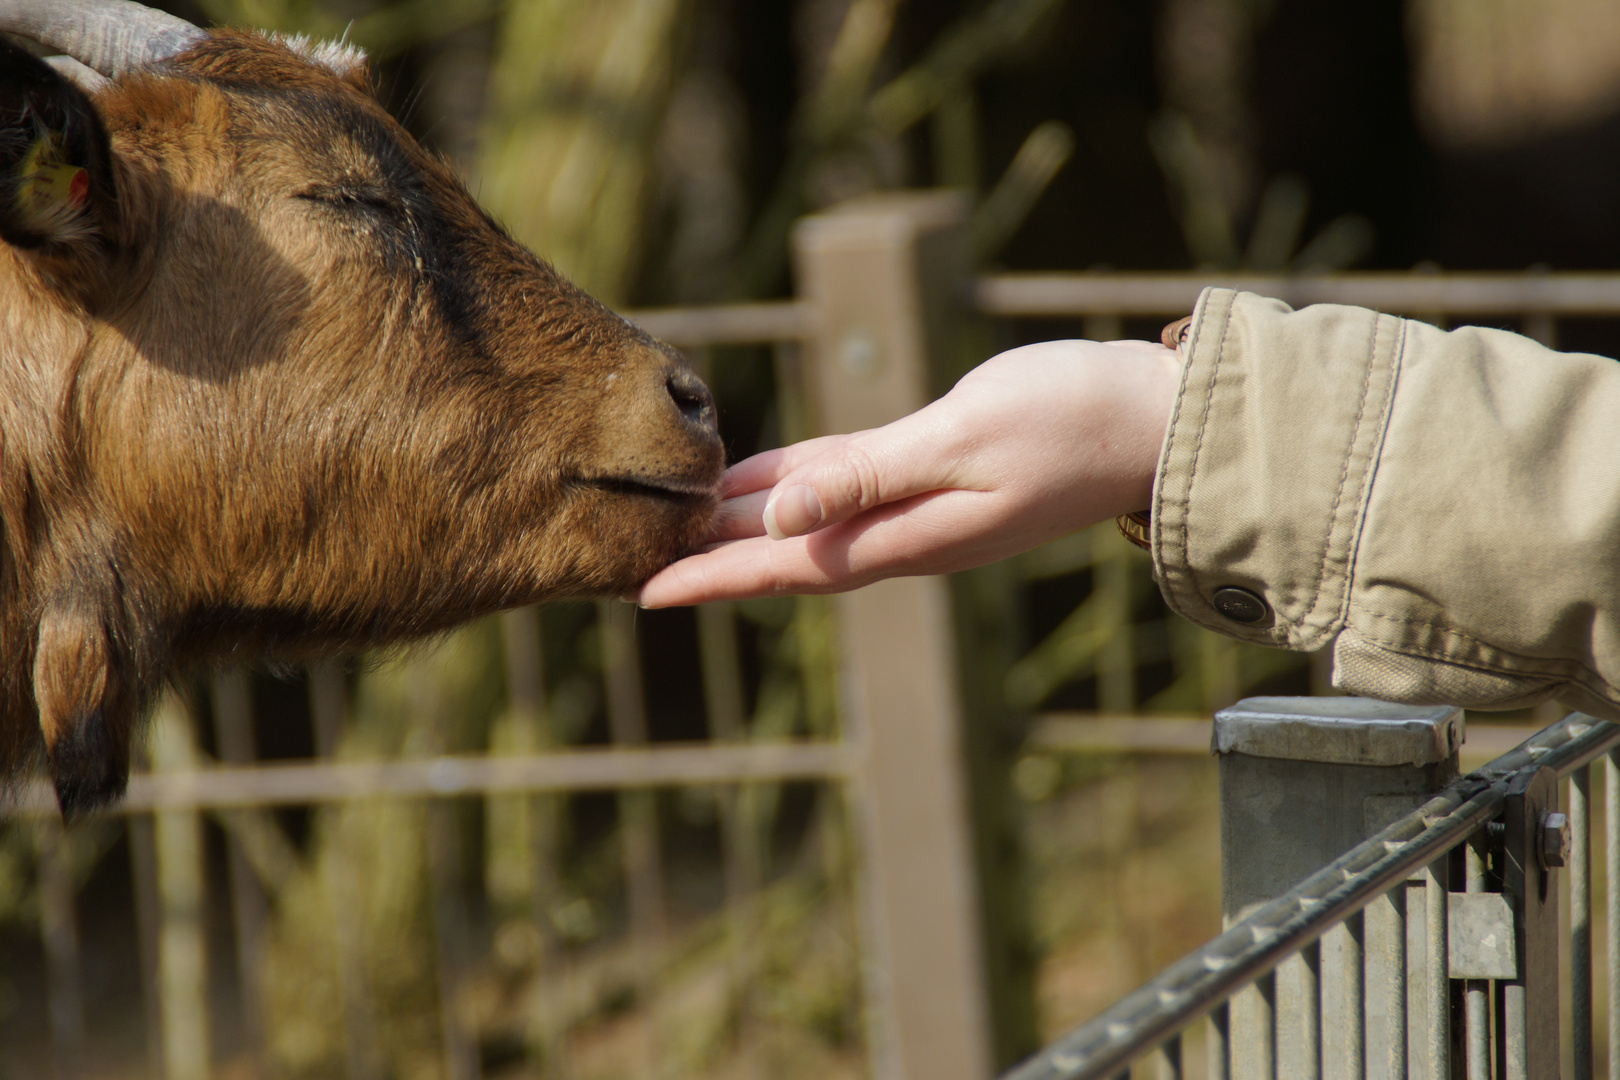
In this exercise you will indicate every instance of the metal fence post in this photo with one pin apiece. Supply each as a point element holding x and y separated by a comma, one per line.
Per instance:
<point>1304,780</point>
<point>879,272</point>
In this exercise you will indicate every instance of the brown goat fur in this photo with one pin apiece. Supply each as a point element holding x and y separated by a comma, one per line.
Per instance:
<point>280,388</point>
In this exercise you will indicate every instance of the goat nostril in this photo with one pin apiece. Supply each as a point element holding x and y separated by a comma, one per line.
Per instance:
<point>692,398</point>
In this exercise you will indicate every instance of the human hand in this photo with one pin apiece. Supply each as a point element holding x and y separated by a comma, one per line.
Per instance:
<point>1030,445</point>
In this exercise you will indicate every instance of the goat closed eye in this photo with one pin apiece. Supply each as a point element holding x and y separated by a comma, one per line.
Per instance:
<point>354,198</point>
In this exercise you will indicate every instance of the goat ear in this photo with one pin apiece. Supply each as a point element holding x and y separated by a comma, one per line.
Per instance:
<point>56,182</point>
<point>78,692</point>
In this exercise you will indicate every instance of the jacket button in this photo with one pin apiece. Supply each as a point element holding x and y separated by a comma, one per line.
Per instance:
<point>1239,605</point>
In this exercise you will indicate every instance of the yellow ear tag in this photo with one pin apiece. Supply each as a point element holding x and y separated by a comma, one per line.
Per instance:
<point>50,191</point>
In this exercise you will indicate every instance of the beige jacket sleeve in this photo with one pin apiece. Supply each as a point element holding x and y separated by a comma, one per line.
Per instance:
<point>1443,508</point>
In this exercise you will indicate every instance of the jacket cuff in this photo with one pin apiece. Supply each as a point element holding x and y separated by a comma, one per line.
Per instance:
<point>1267,464</point>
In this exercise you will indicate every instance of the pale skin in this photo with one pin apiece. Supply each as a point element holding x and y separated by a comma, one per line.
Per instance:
<point>1032,444</point>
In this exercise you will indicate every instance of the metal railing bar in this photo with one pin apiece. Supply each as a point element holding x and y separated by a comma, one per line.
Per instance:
<point>1265,1031</point>
<point>574,770</point>
<point>1580,919</point>
<point>1437,984</point>
<point>729,324</point>
<point>1383,997</point>
<point>1311,991</point>
<point>1299,1009</point>
<point>1341,1017</point>
<point>1514,1051</point>
<point>1196,983</point>
<point>1220,1042</point>
<point>1074,294</point>
<point>1562,747</point>
<point>1355,1031</point>
<point>1476,992</point>
<point>1170,1059</point>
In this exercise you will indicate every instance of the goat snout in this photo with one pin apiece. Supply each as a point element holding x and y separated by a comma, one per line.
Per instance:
<point>693,400</point>
<point>664,429</point>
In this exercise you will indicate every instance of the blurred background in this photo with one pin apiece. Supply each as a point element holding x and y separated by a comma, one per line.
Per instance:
<point>659,152</point>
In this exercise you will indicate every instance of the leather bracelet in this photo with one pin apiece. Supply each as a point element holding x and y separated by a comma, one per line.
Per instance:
<point>1137,526</point>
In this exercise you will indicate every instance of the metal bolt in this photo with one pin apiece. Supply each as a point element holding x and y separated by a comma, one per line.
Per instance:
<point>1555,840</point>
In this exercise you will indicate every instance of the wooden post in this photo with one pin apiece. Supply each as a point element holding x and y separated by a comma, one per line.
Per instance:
<point>638,822</point>
<point>59,933</point>
<point>182,952</point>
<point>882,273</point>
<point>450,938</point>
<point>525,831</point>
<point>442,844</point>
<point>362,1051</point>
<point>741,835</point>
<point>148,919</point>
<point>233,728</point>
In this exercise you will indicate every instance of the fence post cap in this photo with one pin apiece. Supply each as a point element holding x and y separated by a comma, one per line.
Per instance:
<point>1339,730</point>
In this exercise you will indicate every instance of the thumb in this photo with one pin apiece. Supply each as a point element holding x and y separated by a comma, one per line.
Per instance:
<point>874,468</point>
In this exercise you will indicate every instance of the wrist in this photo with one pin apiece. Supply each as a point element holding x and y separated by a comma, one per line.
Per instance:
<point>1137,525</point>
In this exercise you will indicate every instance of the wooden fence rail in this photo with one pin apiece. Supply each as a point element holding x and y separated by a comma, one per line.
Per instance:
<point>1067,295</point>
<point>1397,292</point>
<point>584,769</point>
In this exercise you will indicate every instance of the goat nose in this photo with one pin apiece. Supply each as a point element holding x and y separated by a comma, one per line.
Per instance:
<point>693,399</point>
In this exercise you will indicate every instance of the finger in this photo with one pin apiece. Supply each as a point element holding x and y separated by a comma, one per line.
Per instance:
<point>734,571</point>
<point>911,456</point>
<point>832,560</point>
<point>932,533</point>
<point>739,518</point>
<point>764,469</point>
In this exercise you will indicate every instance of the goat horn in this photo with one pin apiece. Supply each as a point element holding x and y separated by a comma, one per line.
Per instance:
<point>85,78</point>
<point>111,36</point>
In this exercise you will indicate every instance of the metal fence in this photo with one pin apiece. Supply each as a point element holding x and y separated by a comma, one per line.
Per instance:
<point>1366,967</point>
<point>882,323</point>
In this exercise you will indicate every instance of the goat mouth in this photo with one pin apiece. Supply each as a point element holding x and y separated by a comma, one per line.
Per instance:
<point>667,490</point>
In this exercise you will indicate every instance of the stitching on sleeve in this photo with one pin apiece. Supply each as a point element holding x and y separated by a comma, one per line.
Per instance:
<point>1344,475</point>
<point>1352,559</point>
<point>1202,313</point>
<point>1535,666</point>
<point>1198,449</point>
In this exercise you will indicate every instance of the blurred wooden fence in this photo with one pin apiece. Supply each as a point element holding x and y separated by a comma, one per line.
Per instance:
<point>888,314</point>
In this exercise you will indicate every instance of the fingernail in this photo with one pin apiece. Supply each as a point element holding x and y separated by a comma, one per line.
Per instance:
<point>793,513</point>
